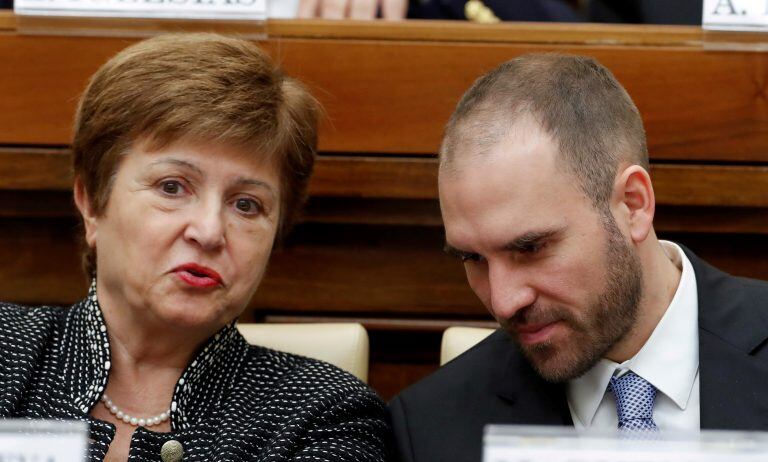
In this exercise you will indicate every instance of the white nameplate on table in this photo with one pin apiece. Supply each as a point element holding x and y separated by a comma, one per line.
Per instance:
<point>743,15</point>
<point>558,444</point>
<point>165,9</point>
<point>43,441</point>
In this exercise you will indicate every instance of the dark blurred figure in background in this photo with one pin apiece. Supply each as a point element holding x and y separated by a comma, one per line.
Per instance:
<point>490,11</point>
<point>645,11</point>
<point>604,11</point>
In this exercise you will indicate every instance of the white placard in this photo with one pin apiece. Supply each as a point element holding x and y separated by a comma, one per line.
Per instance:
<point>43,441</point>
<point>745,15</point>
<point>168,9</point>
<point>283,9</point>
<point>555,444</point>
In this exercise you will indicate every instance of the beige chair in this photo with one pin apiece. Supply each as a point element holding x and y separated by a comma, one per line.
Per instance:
<point>457,340</point>
<point>345,345</point>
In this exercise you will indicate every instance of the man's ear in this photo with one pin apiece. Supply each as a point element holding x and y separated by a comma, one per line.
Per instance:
<point>83,203</point>
<point>635,200</point>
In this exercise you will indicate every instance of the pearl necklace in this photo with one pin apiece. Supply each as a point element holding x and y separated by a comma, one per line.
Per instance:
<point>136,422</point>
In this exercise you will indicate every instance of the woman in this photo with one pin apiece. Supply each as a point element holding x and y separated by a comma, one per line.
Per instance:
<point>191,156</point>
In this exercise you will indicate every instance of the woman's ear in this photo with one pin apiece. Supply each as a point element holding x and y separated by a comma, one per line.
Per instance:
<point>633,192</point>
<point>83,203</point>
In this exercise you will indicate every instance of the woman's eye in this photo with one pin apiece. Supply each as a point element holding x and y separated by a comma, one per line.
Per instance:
<point>171,187</point>
<point>247,206</point>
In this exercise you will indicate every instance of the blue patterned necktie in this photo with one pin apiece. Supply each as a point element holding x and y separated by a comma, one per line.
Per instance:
<point>634,402</point>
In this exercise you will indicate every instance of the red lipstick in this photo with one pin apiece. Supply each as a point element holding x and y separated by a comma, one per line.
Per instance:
<point>198,275</point>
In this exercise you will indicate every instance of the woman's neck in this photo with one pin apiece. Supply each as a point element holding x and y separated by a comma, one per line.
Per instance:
<point>140,341</point>
<point>147,358</point>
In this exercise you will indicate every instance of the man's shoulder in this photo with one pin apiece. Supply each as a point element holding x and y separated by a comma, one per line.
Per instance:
<point>459,399</point>
<point>732,309</point>
<point>714,282</point>
<point>756,287</point>
<point>471,374</point>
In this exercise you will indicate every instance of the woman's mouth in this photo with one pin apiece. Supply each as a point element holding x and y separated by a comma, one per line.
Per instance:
<point>198,276</point>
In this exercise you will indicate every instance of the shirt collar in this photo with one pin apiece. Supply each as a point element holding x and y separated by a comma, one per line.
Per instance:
<point>669,360</point>
<point>86,361</point>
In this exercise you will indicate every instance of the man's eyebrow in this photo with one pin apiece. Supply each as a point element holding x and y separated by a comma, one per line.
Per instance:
<point>531,238</point>
<point>454,252</point>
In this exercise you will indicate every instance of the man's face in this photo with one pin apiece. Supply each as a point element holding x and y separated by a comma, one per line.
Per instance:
<point>555,272</point>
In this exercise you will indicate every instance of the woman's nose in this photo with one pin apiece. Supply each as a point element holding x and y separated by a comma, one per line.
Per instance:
<point>206,226</point>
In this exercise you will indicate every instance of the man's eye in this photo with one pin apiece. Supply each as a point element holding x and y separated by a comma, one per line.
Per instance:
<point>247,206</point>
<point>531,248</point>
<point>171,187</point>
<point>470,257</point>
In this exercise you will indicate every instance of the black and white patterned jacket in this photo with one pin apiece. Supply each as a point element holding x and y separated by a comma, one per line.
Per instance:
<point>234,401</point>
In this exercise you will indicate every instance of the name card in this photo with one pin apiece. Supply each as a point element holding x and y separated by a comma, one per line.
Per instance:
<point>167,9</point>
<point>554,444</point>
<point>744,15</point>
<point>42,441</point>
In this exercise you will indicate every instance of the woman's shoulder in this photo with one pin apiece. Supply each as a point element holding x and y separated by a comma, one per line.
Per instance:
<point>25,336</point>
<point>299,379</point>
<point>24,330</point>
<point>314,373</point>
<point>334,413</point>
<point>23,327</point>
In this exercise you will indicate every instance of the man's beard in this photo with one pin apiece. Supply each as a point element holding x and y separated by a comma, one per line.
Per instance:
<point>599,327</point>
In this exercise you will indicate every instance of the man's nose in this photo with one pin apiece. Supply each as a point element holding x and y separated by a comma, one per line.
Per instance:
<point>206,226</point>
<point>510,289</point>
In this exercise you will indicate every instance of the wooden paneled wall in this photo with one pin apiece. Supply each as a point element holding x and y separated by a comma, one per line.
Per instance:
<point>370,245</point>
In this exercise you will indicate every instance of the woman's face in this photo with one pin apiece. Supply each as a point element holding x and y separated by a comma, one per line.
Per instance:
<point>186,234</point>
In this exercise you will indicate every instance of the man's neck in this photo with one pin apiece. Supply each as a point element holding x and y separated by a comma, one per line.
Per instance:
<point>661,277</point>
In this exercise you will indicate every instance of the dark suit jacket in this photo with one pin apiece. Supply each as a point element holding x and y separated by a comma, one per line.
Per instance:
<point>646,11</point>
<point>442,417</point>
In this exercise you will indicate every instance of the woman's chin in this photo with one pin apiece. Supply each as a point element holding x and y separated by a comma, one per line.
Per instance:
<point>199,316</point>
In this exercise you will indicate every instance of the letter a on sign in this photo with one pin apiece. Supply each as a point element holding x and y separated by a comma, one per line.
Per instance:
<point>735,15</point>
<point>725,4</point>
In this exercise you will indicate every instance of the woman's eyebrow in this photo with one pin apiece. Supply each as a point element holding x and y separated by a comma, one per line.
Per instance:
<point>180,163</point>
<point>241,181</point>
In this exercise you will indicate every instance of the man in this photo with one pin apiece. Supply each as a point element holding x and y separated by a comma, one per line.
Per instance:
<point>546,198</point>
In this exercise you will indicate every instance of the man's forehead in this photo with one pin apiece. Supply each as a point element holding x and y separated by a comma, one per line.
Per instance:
<point>512,189</point>
<point>524,151</point>
<point>477,143</point>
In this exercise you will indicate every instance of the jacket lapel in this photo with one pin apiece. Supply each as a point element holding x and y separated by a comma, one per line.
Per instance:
<point>732,330</point>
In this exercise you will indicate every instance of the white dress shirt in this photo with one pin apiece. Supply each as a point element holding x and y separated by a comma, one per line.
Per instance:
<point>669,360</point>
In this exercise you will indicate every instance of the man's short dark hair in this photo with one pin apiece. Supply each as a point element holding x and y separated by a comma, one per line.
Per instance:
<point>575,99</point>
